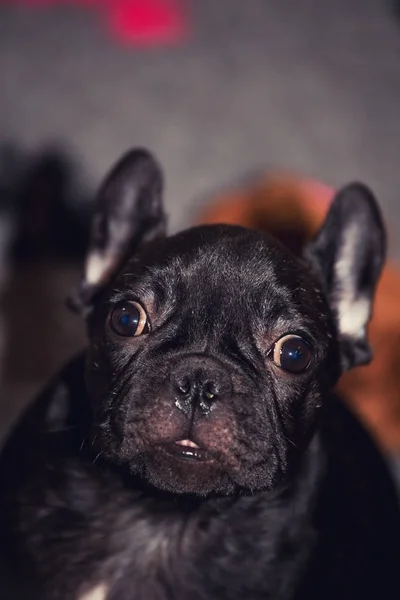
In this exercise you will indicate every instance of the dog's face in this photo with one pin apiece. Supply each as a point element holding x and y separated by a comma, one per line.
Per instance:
<point>211,351</point>
<point>209,360</point>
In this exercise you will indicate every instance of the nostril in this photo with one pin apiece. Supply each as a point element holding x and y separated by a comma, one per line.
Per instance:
<point>183,386</point>
<point>210,390</point>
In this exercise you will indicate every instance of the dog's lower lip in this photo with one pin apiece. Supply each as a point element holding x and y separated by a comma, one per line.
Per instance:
<point>187,451</point>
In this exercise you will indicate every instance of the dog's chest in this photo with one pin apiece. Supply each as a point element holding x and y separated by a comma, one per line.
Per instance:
<point>145,567</point>
<point>148,557</point>
<point>174,556</point>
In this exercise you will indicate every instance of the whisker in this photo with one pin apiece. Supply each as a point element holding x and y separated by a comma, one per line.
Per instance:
<point>290,441</point>
<point>97,457</point>
<point>82,445</point>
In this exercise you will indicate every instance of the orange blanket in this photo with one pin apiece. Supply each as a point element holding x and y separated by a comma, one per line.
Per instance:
<point>292,208</point>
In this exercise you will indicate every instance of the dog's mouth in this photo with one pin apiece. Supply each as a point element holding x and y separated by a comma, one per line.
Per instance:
<point>187,450</point>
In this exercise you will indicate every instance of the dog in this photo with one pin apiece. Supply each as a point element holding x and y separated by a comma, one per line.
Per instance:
<point>195,449</point>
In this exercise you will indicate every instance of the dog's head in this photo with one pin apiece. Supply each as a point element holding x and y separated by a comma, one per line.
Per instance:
<point>212,351</point>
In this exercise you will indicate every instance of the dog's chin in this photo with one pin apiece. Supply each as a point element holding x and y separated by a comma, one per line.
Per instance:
<point>192,471</point>
<point>185,470</point>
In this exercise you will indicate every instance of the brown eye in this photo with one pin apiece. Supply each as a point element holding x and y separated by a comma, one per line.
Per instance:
<point>292,353</point>
<point>129,319</point>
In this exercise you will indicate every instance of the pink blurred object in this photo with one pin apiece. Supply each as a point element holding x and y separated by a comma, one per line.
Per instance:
<point>135,22</point>
<point>148,22</point>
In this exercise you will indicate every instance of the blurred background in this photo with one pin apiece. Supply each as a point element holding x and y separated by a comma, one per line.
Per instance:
<point>217,89</point>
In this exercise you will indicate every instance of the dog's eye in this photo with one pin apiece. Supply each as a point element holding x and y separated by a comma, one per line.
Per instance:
<point>129,319</point>
<point>292,353</point>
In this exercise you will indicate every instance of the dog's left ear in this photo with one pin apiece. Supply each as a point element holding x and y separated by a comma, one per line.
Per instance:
<point>128,212</point>
<point>348,254</point>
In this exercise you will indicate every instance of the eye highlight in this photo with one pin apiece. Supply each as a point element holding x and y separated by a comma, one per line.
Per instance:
<point>292,353</point>
<point>129,319</point>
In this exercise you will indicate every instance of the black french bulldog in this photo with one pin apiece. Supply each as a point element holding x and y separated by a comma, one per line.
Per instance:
<point>196,451</point>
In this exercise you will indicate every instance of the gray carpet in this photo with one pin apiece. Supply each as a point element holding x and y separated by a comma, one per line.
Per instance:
<point>308,84</point>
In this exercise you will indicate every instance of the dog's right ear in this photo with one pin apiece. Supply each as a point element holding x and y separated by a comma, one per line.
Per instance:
<point>128,212</point>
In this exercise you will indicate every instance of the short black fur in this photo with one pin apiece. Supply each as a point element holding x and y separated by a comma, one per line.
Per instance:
<point>184,462</point>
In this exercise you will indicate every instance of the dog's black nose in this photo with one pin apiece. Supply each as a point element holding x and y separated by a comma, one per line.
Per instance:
<point>197,382</point>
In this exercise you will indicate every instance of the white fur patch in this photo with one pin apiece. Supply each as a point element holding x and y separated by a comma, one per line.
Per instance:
<point>97,593</point>
<point>353,311</point>
<point>353,316</point>
<point>345,264</point>
<point>97,266</point>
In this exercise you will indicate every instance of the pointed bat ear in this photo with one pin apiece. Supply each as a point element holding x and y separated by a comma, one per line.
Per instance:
<point>128,212</point>
<point>348,254</point>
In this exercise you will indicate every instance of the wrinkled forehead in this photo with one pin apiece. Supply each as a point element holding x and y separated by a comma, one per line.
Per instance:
<point>222,266</point>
